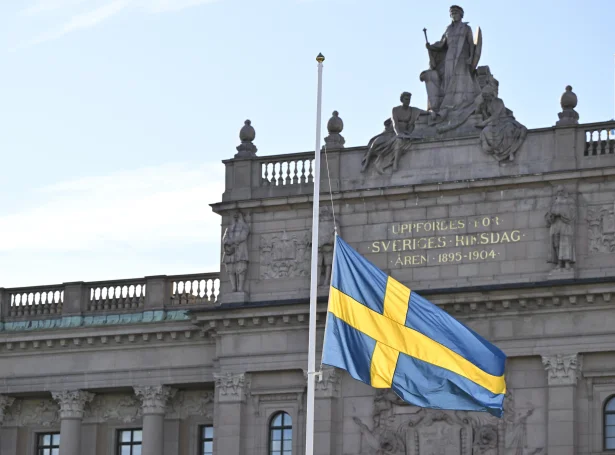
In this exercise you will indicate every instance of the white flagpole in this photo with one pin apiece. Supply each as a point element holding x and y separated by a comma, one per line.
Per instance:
<point>311,376</point>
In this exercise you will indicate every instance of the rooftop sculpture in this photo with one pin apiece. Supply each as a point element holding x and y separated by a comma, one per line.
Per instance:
<point>462,101</point>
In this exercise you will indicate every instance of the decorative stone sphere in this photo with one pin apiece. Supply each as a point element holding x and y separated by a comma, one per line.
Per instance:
<point>569,99</point>
<point>335,124</point>
<point>247,133</point>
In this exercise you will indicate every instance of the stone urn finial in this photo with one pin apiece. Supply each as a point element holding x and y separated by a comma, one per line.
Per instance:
<point>568,116</point>
<point>335,126</point>
<point>247,134</point>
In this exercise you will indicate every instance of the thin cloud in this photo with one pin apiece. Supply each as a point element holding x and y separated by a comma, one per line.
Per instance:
<point>99,11</point>
<point>143,208</point>
<point>46,6</point>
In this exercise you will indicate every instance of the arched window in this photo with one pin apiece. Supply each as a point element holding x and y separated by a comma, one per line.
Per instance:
<point>281,434</point>
<point>609,424</point>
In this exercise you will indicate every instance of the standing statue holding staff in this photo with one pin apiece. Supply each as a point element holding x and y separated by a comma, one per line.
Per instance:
<point>452,87</point>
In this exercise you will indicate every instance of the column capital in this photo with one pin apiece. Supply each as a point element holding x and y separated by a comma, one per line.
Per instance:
<point>562,369</point>
<point>154,398</point>
<point>5,403</point>
<point>327,383</point>
<point>231,387</point>
<point>72,403</point>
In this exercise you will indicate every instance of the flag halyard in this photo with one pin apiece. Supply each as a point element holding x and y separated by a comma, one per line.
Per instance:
<point>387,336</point>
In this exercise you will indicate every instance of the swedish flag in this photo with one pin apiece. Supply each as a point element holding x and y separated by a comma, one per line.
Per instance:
<point>387,336</point>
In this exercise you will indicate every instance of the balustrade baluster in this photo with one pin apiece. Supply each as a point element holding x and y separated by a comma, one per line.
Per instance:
<point>295,180</point>
<point>265,172</point>
<point>210,291</point>
<point>310,173</point>
<point>280,172</point>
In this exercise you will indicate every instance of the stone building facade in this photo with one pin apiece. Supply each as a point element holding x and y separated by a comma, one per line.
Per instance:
<point>512,231</point>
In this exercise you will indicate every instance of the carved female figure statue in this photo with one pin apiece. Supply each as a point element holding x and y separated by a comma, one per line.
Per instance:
<point>502,135</point>
<point>235,251</point>
<point>560,220</point>
<point>452,86</point>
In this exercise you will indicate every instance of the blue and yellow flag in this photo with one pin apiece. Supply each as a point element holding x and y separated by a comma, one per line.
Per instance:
<point>387,336</point>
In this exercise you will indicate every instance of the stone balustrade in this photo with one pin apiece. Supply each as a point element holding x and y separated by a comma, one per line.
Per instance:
<point>285,170</point>
<point>34,301</point>
<point>114,295</point>
<point>544,150</point>
<point>148,294</point>
<point>600,139</point>
<point>195,289</point>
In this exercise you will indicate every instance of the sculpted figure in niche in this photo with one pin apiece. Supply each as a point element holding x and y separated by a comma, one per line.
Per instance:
<point>326,241</point>
<point>451,81</point>
<point>560,220</point>
<point>235,251</point>
<point>501,134</point>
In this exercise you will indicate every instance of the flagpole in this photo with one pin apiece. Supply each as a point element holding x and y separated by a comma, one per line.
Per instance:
<point>311,376</point>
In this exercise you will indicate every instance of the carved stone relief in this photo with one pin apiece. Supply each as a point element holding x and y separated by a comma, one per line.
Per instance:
<point>188,403</point>
<point>5,402</point>
<point>285,254</point>
<point>113,407</point>
<point>601,235</point>
<point>38,412</point>
<point>561,369</point>
<point>515,428</point>
<point>400,429</point>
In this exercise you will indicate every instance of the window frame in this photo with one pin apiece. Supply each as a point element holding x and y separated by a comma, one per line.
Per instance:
<point>282,427</point>
<point>606,413</point>
<point>118,439</point>
<point>40,447</point>
<point>202,439</point>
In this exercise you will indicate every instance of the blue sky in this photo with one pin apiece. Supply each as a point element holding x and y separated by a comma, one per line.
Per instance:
<point>115,114</point>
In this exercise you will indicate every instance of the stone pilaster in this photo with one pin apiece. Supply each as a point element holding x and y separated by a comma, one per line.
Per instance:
<point>153,405</point>
<point>8,436</point>
<point>326,415</point>
<point>562,373</point>
<point>5,403</point>
<point>231,390</point>
<point>72,404</point>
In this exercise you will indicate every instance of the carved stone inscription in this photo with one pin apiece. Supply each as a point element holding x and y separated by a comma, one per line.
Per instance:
<point>467,239</point>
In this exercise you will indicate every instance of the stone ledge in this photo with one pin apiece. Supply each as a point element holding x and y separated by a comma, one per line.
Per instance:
<point>433,187</point>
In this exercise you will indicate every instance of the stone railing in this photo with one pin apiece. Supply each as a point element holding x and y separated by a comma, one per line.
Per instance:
<point>599,139</point>
<point>583,146</point>
<point>33,301</point>
<point>195,289</point>
<point>109,297</point>
<point>284,170</point>
<point>116,295</point>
